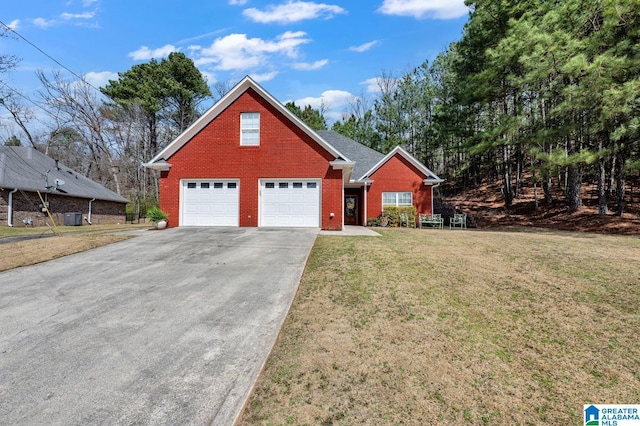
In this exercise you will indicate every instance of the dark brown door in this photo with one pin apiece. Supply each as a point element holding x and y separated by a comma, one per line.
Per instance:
<point>351,210</point>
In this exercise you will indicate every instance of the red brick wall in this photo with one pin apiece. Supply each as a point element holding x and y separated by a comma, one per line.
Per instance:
<point>398,175</point>
<point>284,152</point>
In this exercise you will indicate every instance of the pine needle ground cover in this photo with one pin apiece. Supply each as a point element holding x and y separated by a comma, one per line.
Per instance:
<point>459,327</point>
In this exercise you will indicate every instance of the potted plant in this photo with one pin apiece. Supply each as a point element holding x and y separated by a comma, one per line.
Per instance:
<point>157,217</point>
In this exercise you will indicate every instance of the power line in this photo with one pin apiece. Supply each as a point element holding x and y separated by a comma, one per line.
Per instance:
<point>49,56</point>
<point>22,96</point>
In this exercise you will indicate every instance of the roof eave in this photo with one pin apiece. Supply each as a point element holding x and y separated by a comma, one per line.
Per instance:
<point>160,165</point>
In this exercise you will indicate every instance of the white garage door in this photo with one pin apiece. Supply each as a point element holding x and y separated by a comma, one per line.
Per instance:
<point>294,203</point>
<point>210,203</point>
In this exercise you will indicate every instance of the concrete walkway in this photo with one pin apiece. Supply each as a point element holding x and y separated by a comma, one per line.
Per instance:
<point>352,231</point>
<point>169,328</point>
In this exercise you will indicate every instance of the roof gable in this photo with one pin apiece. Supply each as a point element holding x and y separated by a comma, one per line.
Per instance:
<point>160,160</point>
<point>430,177</point>
<point>27,169</point>
<point>368,160</point>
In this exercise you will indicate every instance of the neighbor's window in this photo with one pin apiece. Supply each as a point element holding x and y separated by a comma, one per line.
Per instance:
<point>250,128</point>
<point>397,199</point>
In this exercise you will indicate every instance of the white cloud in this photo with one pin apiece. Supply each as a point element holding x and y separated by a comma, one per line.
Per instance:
<point>238,52</point>
<point>363,47</point>
<point>329,99</point>
<point>372,85</point>
<point>238,2</point>
<point>43,23</point>
<point>200,36</point>
<point>264,77</point>
<point>100,79</point>
<point>438,9</point>
<point>305,66</point>
<point>293,11</point>
<point>144,53</point>
<point>68,16</point>
<point>14,24</point>
<point>74,18</point>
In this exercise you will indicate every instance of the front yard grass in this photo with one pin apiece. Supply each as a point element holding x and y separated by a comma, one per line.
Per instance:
<point>456,327</point>
<point>46,246</point>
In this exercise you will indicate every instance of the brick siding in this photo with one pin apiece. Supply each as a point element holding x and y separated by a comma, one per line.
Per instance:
<point>28,205</point>
<point>398,175</point>
<point>285,151</point>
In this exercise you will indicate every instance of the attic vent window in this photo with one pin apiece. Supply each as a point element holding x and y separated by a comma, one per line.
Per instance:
<point>250,129</point>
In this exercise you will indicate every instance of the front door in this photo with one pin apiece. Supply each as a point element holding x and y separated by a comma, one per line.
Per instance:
<point>351,210</point>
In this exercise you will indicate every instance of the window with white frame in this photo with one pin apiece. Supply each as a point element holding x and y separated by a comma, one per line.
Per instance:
<point>250,128</point>
<point>397,199</point>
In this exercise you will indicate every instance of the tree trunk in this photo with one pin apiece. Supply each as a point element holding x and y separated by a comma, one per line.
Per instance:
<point>574,186</point>
<point>507,187</point>
<point>602,188</point>
<point>602,182</point>
<point>620,182</point>
<point>546,187</point>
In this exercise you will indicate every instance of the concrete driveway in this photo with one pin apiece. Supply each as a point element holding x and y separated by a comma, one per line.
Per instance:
<point>168,328</point>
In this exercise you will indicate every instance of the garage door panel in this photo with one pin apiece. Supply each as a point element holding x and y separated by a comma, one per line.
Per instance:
<point>210,203</point>
<point>294,203</point>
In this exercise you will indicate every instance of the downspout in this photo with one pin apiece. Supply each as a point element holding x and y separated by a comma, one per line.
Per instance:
<point>89,215</point>
<point>433,186</point>
<point>365,204</point>
<point>367,184</point>
<point>10,208</point>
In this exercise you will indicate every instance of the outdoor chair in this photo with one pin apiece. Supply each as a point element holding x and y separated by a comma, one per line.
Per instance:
<point>458,219</point>
<point>404,220</point>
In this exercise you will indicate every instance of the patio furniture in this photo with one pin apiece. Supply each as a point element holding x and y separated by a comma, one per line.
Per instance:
<point>405,221</point>
<point>432,220</point>
<point>458,219</point>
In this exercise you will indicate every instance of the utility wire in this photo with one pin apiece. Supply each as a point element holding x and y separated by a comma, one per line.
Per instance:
<point>11,89</point>
<point>49,56</point>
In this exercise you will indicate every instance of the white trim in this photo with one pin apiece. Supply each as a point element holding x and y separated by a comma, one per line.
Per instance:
<point>245,84</point>
<point>201,180</point>
<point>396,204</point>
<point>304,180</point>
<point>246,130</point>
<point>160,165</point>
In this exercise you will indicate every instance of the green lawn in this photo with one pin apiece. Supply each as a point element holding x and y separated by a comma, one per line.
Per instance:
<point>458,327</point>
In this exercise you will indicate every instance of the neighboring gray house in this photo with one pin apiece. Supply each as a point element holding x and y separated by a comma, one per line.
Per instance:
<point>71,198</point>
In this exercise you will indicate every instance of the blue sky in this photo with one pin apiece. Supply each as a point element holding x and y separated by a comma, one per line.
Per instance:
<point>305,51</point>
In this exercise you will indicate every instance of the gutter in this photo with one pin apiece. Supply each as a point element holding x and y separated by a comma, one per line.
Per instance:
<point>10,208</point>
<point>88,219</point>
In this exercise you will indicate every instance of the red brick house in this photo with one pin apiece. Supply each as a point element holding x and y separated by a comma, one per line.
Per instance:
<point>248,161</point>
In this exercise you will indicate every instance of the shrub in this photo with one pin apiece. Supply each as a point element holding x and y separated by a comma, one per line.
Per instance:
<point>155,215</point>
<point>373,221</point>
<point>393,214</point>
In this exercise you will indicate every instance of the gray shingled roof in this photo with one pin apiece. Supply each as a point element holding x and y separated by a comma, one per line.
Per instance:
<point>364,157</point>
<point>25,168</point>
